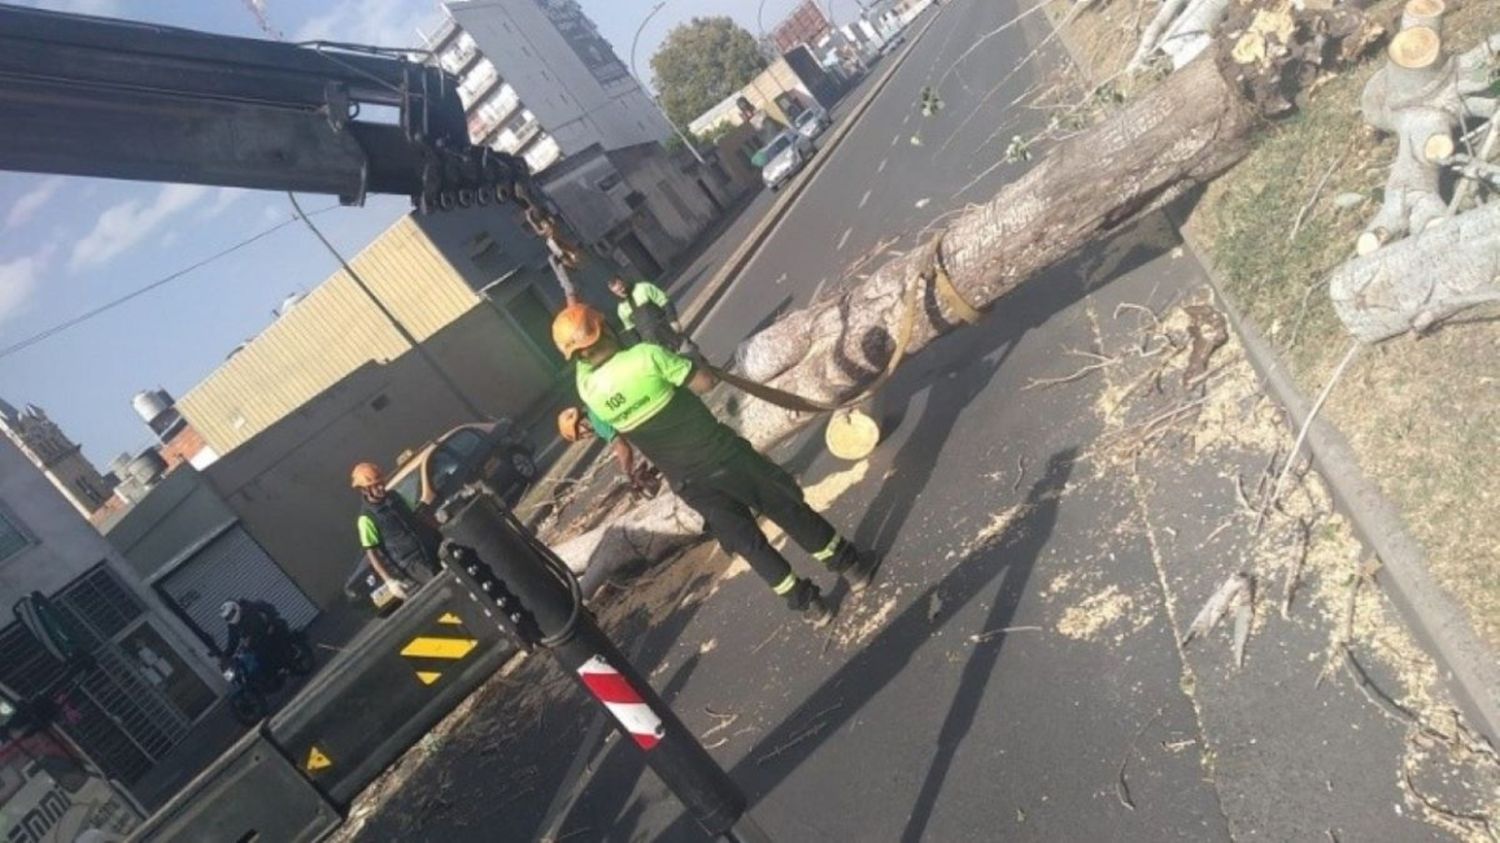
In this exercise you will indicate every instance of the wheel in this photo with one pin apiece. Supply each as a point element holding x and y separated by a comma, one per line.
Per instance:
<point>300,658</point>
<point>522,463</point>
<point>247,706</point>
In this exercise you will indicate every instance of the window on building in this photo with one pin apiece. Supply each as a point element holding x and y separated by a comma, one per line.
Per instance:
<point>13,539</point>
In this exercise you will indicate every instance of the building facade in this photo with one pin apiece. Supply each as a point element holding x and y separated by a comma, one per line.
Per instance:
<point>332,382</point>
<point>539,81</point>
<point>805,25</point>
<point>60,458</point>
<point>146,684</point>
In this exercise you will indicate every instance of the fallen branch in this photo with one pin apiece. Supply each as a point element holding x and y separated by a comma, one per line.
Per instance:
<point>1291,460</point>
<point>981,637</point>
<point>1122,787</point>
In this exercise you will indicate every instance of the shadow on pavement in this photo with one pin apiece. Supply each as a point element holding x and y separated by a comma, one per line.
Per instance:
<point>1004,562</point>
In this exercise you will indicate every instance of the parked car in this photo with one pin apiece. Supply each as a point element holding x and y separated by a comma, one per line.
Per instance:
<point>783,157</point>
<point>811,123</point>
<point>425,478</point>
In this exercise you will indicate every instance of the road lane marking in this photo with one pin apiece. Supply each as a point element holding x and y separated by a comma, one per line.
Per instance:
<point>818,290</point>
<point>895,140</point>
<point>844,239</point>
<point>864,199</point>
<point>883,162</point>
<point>906,119</point>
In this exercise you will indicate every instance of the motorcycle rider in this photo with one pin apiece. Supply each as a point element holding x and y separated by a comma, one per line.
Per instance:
<point>258,628</point>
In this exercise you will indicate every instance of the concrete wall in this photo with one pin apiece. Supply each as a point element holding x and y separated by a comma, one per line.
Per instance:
<point>673,196</point>
<point>179,514</point>
<point>578,102</point>
<point>64,545</point>
<point>289,484</point>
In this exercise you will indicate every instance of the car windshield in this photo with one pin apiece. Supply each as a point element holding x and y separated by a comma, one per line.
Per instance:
<point>775,148</point>
<point>409,488</point>
<point>806,118</point>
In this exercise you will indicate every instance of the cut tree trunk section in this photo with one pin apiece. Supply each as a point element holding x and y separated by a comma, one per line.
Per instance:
<point>1428,277</point>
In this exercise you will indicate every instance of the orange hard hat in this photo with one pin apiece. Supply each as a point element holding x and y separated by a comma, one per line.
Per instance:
<point>365,475</point>
<point>576,327</point>
<point>568,424</point>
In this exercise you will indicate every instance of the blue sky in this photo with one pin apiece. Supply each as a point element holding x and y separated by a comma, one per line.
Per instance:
<point>70,244</point>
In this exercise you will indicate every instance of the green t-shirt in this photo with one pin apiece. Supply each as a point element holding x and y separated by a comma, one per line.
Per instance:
<point>641,392</point>
<point>641,293</point>
<point>369,533</point>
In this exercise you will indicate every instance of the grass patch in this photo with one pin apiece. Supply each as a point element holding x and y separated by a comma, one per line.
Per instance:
<point>1423,414</point>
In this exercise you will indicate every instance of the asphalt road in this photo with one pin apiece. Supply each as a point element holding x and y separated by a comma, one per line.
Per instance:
<point>1016,672</point>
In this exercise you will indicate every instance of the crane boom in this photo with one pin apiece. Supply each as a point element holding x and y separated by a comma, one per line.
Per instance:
<point>89,96</point>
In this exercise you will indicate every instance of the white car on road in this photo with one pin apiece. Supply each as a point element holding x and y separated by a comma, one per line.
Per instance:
<point>784,156</point>
<point>811,123</point>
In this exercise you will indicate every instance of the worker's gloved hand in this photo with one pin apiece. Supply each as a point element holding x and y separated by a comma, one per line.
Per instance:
<point>645,480</point>
<point>398,588</point>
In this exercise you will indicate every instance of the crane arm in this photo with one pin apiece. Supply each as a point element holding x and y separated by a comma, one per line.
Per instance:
<point>89,96</point>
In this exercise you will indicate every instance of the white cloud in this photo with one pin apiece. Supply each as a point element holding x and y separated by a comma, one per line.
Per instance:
<point>26,207</point>
<point>223,198</point>
<point>18,280</point>
<point>381,23</point>
<point>123,226</point>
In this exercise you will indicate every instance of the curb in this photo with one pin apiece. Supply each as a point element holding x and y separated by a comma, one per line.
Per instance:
<point>695,313</point>
<point>1471,670</point>
<point>1439,624</point>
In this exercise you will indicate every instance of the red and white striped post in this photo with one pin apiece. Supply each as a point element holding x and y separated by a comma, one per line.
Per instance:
<point>539,588</point>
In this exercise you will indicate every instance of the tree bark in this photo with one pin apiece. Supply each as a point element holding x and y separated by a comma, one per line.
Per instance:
<point>1196,124</point>
<point>1423,279</point>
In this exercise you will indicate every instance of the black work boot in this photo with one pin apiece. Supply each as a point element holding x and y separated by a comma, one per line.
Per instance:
<point>806,599</point>
<point>857,567</point>
<point>816,612</point>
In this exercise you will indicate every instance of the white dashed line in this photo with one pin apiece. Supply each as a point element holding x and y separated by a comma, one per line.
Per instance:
<point>895,140</point>
<point>818,289</point>
<point>906,119</point>
<point>864,199</point>
<point>844,239</point>
<point>883,162</point>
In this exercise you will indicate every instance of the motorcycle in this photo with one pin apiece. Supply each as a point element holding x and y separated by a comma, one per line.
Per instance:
<point>251,682</point>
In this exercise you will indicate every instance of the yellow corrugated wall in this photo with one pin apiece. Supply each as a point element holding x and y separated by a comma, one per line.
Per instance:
<point>329,334</point>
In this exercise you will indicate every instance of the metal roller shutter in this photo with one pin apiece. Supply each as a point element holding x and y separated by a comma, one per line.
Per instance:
<point>233,567</point>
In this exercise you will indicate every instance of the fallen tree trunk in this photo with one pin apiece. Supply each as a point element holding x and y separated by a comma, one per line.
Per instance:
<point>1428,277</point>
<point>1196,124</point>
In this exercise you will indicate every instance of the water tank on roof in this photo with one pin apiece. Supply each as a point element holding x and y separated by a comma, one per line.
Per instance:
<point>147,467</point>
<point>155,407</point>
<point>119,466</point>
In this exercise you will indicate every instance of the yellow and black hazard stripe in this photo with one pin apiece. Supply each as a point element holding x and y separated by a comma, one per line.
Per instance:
<point>444,644</point>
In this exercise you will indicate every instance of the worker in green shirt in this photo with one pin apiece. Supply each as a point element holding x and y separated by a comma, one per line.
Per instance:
<point>650,395</point>
<point>645,309</point>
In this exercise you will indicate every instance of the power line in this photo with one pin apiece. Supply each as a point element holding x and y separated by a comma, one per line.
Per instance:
<point>75,321</point>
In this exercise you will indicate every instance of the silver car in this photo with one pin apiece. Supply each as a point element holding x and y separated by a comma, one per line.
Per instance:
<point>784,156</point>
<point>811,123</point>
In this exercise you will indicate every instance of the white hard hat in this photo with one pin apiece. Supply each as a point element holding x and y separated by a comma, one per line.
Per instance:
<point>230,611</point>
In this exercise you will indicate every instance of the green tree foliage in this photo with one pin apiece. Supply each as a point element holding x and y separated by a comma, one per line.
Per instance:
<point>702,62</point>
